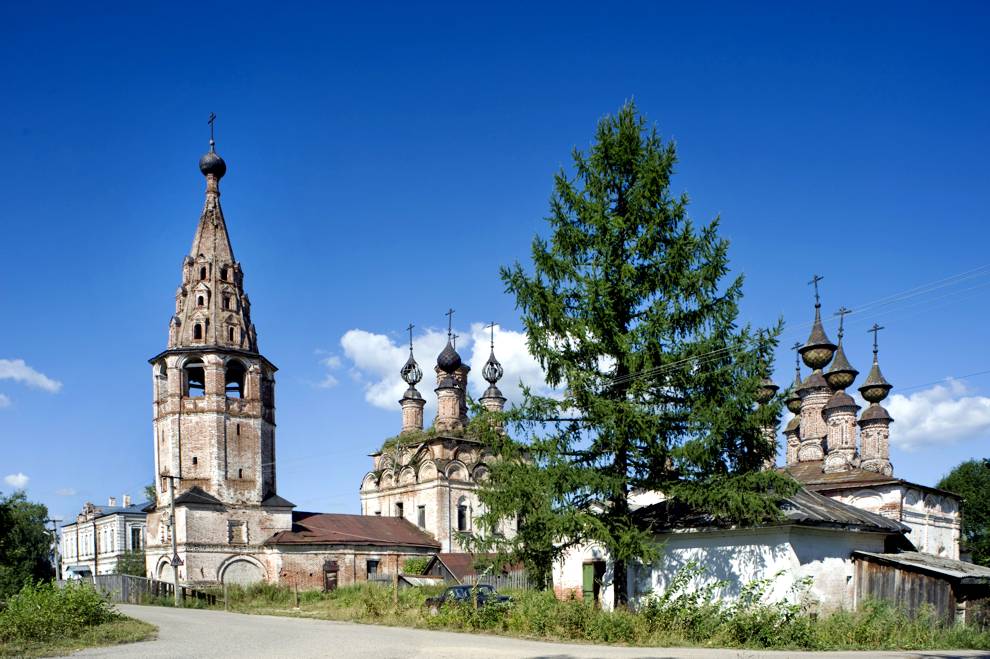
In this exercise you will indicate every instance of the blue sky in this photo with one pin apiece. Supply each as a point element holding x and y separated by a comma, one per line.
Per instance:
<point>384,160</point>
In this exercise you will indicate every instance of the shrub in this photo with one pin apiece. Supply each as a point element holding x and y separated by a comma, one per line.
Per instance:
<point>415,565</point>
<point>44,612</point>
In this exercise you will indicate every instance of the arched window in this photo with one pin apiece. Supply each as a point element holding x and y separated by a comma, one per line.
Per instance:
<point>195,380</point>
<point>223,273</point>
<point>202,272</point>
<point>462,516</point>
<point>200,301</point>
<point>234,379</point>
<point>198,332</point>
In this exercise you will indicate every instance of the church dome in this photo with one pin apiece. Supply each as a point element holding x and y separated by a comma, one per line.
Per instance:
<point>448,360</point>
<point>211,163</point>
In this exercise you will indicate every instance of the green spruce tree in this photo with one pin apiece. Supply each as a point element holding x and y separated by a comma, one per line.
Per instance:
<point>627,310</point>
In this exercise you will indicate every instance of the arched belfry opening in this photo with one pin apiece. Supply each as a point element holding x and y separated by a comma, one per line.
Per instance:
<point>234,379</point>
<point>194,380</point>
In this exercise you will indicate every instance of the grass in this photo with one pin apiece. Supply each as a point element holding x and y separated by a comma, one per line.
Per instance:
<point>124,630</point>
<point>44,620</point>
<point>676,618</point>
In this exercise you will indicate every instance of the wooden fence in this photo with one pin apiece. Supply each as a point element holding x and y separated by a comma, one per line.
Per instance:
<point>124,588</point>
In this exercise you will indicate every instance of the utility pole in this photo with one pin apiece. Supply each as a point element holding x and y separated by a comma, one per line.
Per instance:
<point>58,563</point>
<point>176,561</point>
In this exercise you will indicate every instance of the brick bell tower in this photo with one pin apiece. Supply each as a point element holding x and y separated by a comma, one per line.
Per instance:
<point>214,417</point>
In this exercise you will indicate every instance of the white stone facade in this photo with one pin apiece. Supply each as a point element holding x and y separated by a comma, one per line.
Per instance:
<point>99,536</point>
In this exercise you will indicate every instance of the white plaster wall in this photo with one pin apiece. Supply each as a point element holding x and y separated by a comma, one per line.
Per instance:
<point>568,573</point>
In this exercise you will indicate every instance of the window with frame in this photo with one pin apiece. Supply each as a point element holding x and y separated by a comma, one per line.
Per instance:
<point>462,517</point>
<point>136,541</point>
<point>421,516</point>
<point>399,509</point>
<point>372,567</point>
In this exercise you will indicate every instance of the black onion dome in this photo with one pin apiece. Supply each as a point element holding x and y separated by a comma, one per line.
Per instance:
<point>492,392</point>
<point>794,425</point>
<point>211,163</point>
<point>448,360</point>
<point>841,374</point>
<point>412,393</point>
<point>411,372</point>
<point>817,351</point>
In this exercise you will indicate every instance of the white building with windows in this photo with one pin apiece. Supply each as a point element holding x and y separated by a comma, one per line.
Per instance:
<point>100,535</point>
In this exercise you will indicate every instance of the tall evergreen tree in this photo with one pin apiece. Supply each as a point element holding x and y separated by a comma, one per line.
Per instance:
<point>627,312</point>
<point>971,480</point>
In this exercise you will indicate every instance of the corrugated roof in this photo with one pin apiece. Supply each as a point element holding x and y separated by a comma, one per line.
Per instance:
<point>462,564</point>
<point>340,529</point>
<point>970,573</point>
<point>805,507</point>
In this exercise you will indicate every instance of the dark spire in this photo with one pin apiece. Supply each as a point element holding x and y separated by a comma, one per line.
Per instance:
<point>841,374</point>
<point>876,387</point>
<point>817,351</point>
<point>793,401</point>
<point>492,371</point>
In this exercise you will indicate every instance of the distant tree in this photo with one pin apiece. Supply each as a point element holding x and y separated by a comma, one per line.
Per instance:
<point>131,562</point>
<point>626,309</point>
<point>150,493</point>
<point>971,480</point>
<point>25,543</point>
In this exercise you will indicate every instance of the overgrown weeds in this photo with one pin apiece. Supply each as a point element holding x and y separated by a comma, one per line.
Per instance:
<point>43,619</point>
<point>681,615</point>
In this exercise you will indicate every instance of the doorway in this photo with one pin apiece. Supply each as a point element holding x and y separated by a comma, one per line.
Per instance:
<point>593,577</point>
<point>330,571</point>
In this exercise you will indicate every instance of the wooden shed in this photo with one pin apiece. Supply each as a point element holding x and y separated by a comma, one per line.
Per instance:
<point>957,591</point>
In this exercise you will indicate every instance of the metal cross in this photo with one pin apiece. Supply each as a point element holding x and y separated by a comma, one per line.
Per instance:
<point>210,121</point>
<point>814,282</point>
<point>491,326</point>
<point>841,313</point>
<point>410,329</point>
<point>450,321</point>
<point>875,329</point>
<point>453,340</point>
<point>797,356</point>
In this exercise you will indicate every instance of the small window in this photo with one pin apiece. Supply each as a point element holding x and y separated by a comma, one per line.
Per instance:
<point>372,567</point>
<point>238,430</point>
<point>195,460</point>
<point>378,513</point>
<point>398,509</point>
<point>230,333</point>
<point>200,301</point>
<point>136,544</point>
<point>223,273</point>
<point>240,473</point>
<point>202,272</point>
<point>421,516</point>
<point>198,332</point>
<point>226,301</point>
<point>462,517</point>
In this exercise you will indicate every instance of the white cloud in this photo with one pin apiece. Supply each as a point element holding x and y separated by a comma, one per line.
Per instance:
<point>331,363</point>
<point>17,481</point>
<point>65,492</point>
<point>19,371</point>
<point>942,414</point>
<point>4,401</point>
<point>377,359</point>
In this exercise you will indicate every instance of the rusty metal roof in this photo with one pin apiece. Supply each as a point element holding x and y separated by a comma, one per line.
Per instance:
<point>197,495</point>
<point>810,475</point>
<point>461,565</point>
<point>805,507</point>
<point>340,529</point>
<point>967,573</point>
